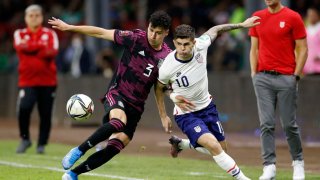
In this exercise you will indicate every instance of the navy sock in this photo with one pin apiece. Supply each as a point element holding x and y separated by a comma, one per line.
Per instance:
<point>102,134</point>
<point>101,157</point>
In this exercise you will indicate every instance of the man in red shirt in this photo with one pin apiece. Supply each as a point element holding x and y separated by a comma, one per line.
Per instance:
<point>277,56</point>
<point>36,48</point>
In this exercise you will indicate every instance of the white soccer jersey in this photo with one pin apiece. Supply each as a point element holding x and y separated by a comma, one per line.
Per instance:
<point>189,78</point>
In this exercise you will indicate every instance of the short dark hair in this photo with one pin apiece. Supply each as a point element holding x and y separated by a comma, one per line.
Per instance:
<point>184,31</point>
<point>160,19</point>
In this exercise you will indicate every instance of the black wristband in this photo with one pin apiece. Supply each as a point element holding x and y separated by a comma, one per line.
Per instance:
<point>297,77</point>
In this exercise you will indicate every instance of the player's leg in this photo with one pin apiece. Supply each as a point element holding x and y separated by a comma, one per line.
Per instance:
<point>115,144</point>
<point>46,96</point>
<point>178,144</point>
<point>225,162</point>
<point>287,97</point>
<point>26,100</point>
<point>117,122</point>
<point>266,100</point>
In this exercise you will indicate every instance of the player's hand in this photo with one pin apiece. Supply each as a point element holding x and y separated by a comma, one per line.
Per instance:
<point>58,24</point>
<point>167,124</point>
<point>184,103</point>
<point>250,22</point>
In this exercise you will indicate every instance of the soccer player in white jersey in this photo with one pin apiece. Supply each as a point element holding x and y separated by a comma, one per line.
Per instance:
<point>195,112</point>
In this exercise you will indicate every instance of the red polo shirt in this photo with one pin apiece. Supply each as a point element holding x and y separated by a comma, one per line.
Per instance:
<point>36,52</point>
<point>277,34</point>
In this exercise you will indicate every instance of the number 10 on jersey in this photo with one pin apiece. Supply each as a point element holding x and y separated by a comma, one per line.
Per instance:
<point>183,81</point>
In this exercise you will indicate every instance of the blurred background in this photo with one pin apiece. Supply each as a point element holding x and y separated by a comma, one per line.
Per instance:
<point>228,63</point>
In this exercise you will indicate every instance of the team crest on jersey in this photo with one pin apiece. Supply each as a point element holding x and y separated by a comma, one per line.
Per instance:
<point>160,62</point>
<point>44,37</point>
<point>197,129</point>
<point>120,103</point>
<point>282,24</point>
<point>199,58</point>
<point>124,33</point>
<point>26,37</point>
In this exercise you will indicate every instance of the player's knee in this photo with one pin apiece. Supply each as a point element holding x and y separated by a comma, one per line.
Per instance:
<point>122,137</point>
<point>117,124</point>
<point>289,129</point>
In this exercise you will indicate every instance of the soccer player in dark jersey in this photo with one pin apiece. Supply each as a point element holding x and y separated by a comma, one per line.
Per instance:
<point>125,98</point>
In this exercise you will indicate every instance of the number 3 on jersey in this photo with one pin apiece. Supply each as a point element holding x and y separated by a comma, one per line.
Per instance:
<point>183,81</point>
<point>147,72</point>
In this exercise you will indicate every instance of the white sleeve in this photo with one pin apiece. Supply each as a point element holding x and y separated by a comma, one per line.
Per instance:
<point>164,76</point>
<point>203,42</point>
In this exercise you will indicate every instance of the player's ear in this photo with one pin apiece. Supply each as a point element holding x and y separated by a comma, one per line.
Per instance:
<point>166,32</point>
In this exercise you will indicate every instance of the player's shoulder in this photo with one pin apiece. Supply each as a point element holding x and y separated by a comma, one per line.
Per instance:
<point>292,13</point>
<point>21,31</point>
<point>260,13</point>
<point>47,30</point>
<point>166,48</point>
<point>139,32</point>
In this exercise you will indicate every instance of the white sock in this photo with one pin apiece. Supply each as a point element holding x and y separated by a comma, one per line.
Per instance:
<point>185,144</point>
<point>228,164</point>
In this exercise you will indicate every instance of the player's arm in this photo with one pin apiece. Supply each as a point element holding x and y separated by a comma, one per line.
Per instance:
<point>301,50</point>
<point>254,55</point>
<point>50,49</point>
<point>93,31</point>
<point>24,46</point>
<point>159,95</point>
<point>217,30</point>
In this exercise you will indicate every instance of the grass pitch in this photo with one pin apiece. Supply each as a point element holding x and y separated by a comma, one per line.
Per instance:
<point>30,166</point>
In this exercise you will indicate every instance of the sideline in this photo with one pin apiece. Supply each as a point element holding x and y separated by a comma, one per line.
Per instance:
<point>13,164</point>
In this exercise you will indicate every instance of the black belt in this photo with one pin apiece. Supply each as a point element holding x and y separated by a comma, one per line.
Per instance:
<point>272,72</point>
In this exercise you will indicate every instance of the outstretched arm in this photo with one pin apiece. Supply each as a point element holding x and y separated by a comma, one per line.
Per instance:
<point>216,30</point>
<point>166,121</point>
<point>93,31</point>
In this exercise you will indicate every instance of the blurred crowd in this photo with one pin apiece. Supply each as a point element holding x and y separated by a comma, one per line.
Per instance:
<point>226,54</point>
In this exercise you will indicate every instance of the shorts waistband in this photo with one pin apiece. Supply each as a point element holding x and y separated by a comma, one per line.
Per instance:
<point>272,72</point>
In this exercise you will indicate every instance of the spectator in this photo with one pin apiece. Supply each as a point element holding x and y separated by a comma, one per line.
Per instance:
<point>107,62</point>
<point>312,65</point>
<point>76,58</point>
<point>36,47</point>
<point>277,56</point>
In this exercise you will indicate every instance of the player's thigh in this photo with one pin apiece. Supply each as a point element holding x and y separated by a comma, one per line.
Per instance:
<point>27,97</point>
<point>224,145</point>
<point>118,114</point>
<point>211,143</point>
<point>114,109</point>
<point>124,138</point>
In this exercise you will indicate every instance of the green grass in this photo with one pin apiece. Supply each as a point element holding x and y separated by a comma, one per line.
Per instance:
<point>124,165</point>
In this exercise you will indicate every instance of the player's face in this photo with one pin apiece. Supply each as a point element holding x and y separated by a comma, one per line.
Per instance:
<point>272,3</point>
<point>312,16</point>
<point>184,47</point>
<point>33,19</point>
<point>156,36</point>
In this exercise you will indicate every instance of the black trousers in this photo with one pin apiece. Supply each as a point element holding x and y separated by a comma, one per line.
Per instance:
<point>44,97</point>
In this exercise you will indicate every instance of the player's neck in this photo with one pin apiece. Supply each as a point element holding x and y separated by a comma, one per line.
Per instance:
<point>275,8</point>
<point>34,29</point>
<point>184,58</point>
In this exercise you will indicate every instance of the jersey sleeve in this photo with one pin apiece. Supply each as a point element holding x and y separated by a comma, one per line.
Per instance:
<point>253,30</point>
<point>299,31</point>
<point>125,38</point>
<point>24,46</point>
<point>203,42</point>
<point>164,76</point>
<point>49,48</point>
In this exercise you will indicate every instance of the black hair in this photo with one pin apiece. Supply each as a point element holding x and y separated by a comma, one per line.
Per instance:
<point>184,31</point>
<point>160,19</point>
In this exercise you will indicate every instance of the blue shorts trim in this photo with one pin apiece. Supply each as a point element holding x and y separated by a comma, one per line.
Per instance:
<point>197,123</point>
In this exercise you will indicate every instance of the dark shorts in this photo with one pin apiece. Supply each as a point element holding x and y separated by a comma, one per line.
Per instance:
<point>201,122</point>
<point>115,101</point>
